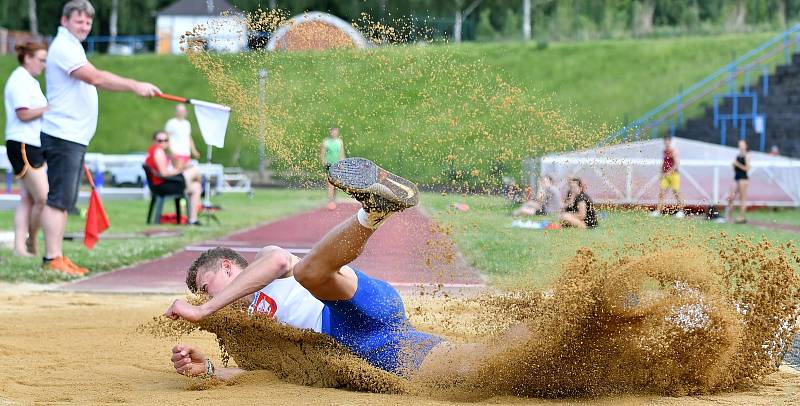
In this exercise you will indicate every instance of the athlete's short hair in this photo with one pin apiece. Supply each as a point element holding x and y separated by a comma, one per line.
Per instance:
<point>80,6</point>
<point>208,261</point>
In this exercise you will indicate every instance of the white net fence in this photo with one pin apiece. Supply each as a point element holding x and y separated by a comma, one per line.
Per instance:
<point>629,173</point>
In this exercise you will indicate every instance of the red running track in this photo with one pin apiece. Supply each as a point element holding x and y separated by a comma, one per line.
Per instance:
<point>408,250</point>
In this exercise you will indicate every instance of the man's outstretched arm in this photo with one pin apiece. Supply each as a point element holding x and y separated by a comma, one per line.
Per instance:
<point>109,81</point>
<point>270,264</point>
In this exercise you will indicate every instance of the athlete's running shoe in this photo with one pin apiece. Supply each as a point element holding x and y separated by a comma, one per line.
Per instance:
<point>377,189</point>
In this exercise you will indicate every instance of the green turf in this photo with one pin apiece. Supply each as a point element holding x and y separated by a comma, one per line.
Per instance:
<point>515,257</point>
<point>239,212</point>
<point>783,216</point>
<point>428,112</point>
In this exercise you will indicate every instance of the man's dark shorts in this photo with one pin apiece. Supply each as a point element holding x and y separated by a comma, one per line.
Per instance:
<point>64,166</point>
<point>24,157</point>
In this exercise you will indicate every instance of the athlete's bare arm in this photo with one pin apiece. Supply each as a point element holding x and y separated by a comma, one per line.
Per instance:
<point>272,263</point>
<point>189,361</point>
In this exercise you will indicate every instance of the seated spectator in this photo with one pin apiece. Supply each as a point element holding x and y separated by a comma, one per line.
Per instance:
<point>578,207</point>
<point>171,180</point>
<point>546,201</point>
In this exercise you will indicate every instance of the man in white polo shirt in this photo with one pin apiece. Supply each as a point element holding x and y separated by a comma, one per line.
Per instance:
<point>69,125</point>
<point>181,144</point>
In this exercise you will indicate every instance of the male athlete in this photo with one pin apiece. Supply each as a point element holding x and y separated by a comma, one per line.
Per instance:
<point>319,292</point>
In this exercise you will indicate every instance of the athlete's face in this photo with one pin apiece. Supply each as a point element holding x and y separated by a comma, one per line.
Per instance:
<point>78,23</point>
<point>213,281</point>
<point>180,111</point>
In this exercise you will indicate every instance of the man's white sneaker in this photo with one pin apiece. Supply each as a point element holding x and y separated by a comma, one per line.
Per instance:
<point>655,213</point>
<point>680,214</point>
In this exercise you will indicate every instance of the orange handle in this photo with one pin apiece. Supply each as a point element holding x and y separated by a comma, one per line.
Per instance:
<point>172,98</point>
<point>88,175</point>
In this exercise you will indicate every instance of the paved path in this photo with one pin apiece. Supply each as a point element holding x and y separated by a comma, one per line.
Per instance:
<point>407,251</point>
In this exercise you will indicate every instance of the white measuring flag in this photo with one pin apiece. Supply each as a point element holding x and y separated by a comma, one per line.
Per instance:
<point>212,119</point>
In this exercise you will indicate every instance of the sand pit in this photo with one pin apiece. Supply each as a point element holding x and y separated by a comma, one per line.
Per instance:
<point>84,349</point>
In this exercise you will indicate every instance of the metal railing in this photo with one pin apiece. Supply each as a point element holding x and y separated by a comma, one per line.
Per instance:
<point>672,110</point>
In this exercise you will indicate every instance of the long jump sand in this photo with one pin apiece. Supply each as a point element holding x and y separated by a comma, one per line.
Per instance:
<point>73,348</point>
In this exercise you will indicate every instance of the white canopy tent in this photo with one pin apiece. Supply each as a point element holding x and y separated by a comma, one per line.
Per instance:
<point>629,173</point>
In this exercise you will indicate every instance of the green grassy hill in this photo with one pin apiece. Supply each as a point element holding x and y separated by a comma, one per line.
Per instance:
<point>436,112</point>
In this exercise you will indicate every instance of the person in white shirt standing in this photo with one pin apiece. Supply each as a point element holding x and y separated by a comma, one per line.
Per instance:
<point>70,123</point>
<point>181,144</point>
<point>25,103</point>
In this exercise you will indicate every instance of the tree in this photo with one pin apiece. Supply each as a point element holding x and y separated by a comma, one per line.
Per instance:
<point>643,12</point>
<point>32,19</point>
<point>526,20</point>
<point>511,25</point>
<point>485,31</point>
<point>461,15</point>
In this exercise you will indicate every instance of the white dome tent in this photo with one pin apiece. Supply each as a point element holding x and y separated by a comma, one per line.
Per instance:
<point>628,174</point>
<point>315,16</point>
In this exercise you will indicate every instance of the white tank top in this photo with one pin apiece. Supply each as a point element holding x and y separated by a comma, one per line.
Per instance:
<point>290,303</point>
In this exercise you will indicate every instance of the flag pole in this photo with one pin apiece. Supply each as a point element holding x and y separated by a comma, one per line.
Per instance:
<point>207,200</point>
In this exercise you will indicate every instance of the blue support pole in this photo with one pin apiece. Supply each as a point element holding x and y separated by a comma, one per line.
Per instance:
<point>9,181</point>
<point>716,111</point>
<point>680,104</point>
<point>671,128</point>
<point>763,140</point>
<point>786,50</point>
<point>732,79</point>
<point>765,81</point>
<point>742,128</point>
<point>746,84</point>
<point>654,133</point>
<point>735,111</point>
<point>723,136</point>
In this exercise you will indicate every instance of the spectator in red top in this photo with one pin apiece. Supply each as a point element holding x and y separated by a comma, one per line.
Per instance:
<point>169,180</point>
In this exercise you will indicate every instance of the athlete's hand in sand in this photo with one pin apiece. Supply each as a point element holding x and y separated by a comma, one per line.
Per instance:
<point>182,309</point>
<point>188,360</point>
<point>145,89</point>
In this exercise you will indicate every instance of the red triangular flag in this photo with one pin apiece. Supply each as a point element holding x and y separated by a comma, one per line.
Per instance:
<point>96,218</point>
<point>96,221</point>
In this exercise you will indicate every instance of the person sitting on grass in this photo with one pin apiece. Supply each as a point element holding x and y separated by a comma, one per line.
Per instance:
<point>546,201</point>
<point>578,207</point>
<point>171,181</point>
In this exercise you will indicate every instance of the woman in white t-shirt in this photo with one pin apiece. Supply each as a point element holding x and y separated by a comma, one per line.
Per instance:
<point>25,103</point>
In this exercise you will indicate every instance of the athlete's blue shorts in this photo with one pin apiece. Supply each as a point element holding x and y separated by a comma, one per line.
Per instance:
<point>373,326</point>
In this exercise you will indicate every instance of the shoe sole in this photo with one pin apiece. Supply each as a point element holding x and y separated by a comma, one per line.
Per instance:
<point>372,185</point>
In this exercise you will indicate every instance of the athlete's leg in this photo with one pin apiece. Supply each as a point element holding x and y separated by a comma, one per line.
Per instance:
<point>323,271</point>
<point>21,223</point>
<point>662,190</point>
<point>731,197</point>
<point>571,220</point>
<point>35,182</point>
<point>743,185</point>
